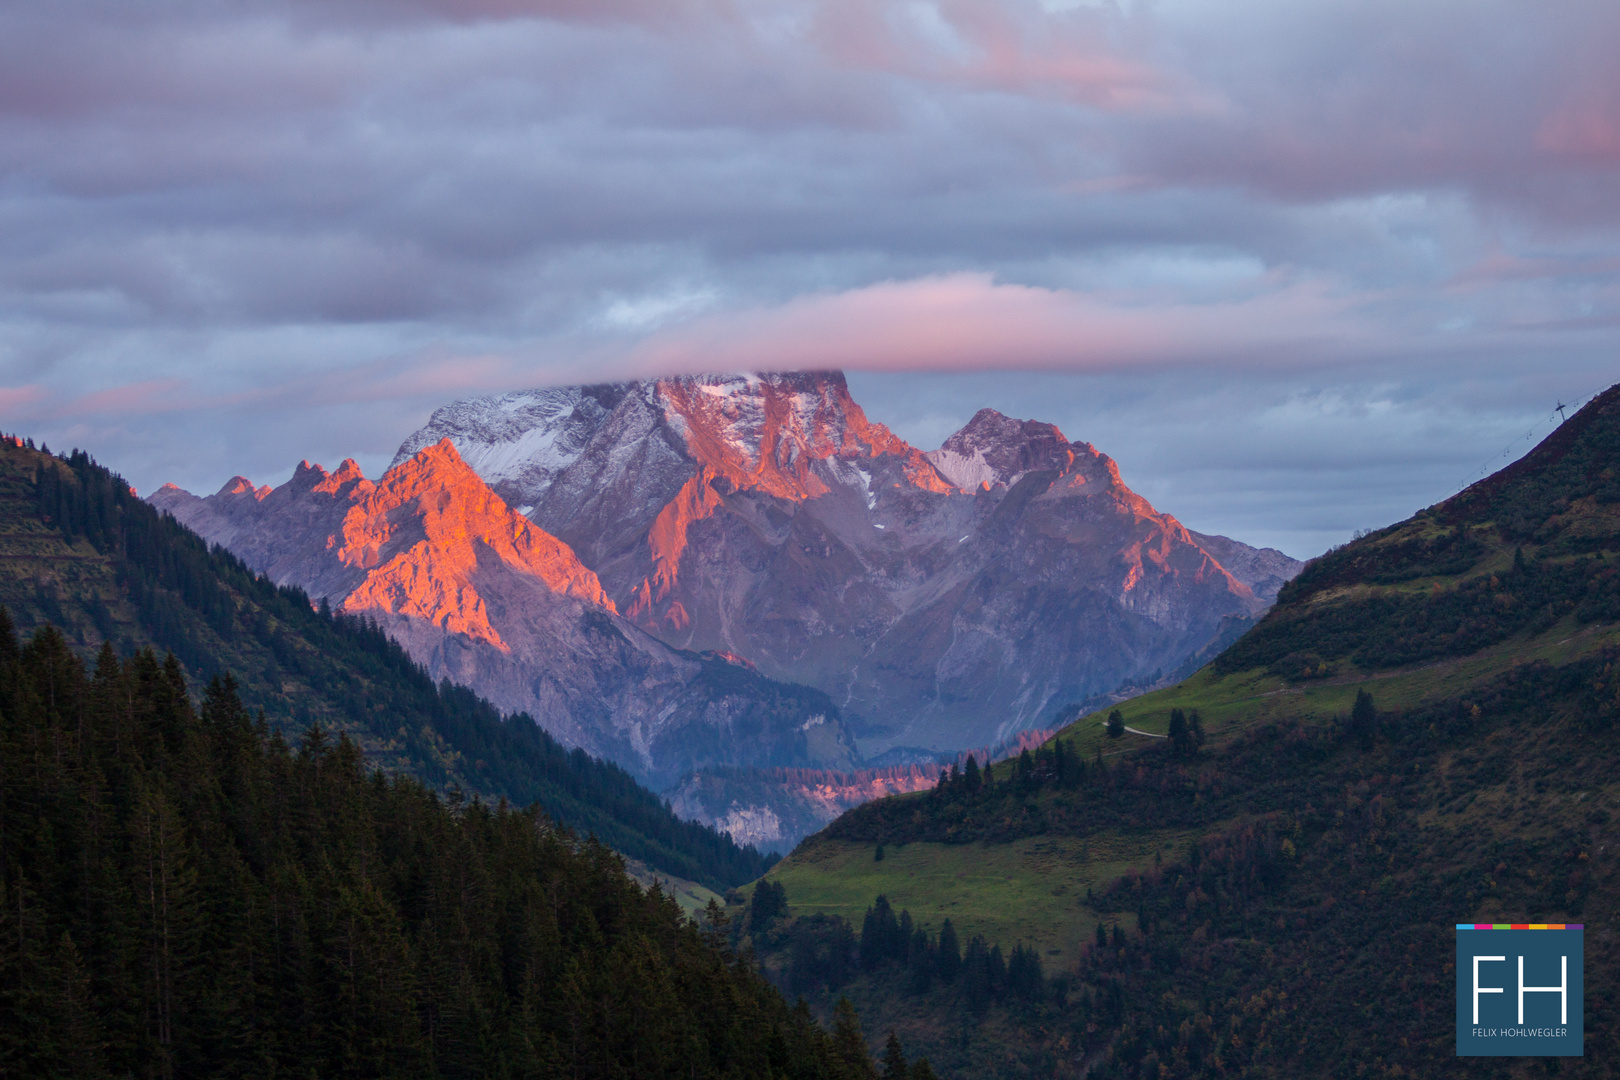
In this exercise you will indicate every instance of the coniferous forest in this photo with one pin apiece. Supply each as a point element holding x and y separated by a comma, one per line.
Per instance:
<point>183,893</point>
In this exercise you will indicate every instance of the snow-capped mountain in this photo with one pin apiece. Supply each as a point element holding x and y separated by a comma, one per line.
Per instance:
<point>942,599</point>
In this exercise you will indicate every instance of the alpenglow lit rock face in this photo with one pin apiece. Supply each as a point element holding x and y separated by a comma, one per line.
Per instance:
<point>942,600</point>
<point>483,596</point>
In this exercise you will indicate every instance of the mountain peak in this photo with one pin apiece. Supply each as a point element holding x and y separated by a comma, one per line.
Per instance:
<point>994,449</point>
<point>239,485</point>
<point>414,543</point>
<point>421,533</point>
<point>442,452</point>
<point>765,431</point>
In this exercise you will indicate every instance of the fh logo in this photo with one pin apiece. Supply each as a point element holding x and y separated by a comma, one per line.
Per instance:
<point>1507,1001</point>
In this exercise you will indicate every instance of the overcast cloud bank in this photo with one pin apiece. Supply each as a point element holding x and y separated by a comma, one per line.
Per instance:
<point>1300,268</point>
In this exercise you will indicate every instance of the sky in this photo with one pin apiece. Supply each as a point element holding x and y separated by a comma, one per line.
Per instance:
<point>1300,268</point>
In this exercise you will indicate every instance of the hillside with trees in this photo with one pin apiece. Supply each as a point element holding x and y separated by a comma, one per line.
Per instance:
<point>185,893</point>
<point>1422,732</point>
<point>79,551</point>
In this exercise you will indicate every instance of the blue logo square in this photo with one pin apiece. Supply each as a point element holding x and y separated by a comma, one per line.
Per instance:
<point>1519,990</point>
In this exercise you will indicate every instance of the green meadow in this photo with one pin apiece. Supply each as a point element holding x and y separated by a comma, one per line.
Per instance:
<point>1032,890</point>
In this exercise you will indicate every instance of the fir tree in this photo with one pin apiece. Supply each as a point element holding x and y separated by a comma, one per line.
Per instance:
<point>1364,720</point>
<point>849,1044</point>
<point>894,1060</point>
<point>948,958</point>
<point>1180,734</point>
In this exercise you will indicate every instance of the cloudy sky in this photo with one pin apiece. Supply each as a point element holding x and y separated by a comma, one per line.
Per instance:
<point>1300,267</point>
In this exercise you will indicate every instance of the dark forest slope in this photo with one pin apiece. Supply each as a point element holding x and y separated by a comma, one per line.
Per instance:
<point>79,551</point>
<point>182,894</point>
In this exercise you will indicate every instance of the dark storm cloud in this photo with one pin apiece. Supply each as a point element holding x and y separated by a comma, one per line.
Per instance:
<point>233,236</point>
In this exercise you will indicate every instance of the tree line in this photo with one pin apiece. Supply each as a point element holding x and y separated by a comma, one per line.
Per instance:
<point>824,953</point>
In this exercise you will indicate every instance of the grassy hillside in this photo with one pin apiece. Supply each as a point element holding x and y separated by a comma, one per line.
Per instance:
<point>1031,890</point>
<point>79,551</point>
<point>1279,900</point>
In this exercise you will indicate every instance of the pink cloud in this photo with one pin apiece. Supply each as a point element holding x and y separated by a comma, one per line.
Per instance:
<point>1018,49</point>
<point>15,398</point>
<point>968,322</point>
<point>150,396</point>
<point>1500,266</point>
<point>1588,132</point>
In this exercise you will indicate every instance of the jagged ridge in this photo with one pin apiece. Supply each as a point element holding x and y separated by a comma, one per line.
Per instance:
<point>481,595</point>
<point>945,599</point>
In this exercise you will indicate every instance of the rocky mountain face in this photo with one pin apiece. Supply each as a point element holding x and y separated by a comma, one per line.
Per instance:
<point>773,809</point>
<point>940,599</point>
<point>484,597</point>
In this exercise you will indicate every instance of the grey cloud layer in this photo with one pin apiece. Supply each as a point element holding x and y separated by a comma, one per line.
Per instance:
<point>234,236</point>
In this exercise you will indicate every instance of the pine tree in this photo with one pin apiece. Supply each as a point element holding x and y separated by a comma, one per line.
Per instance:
<point>849,1044</point>
<point>1116,724</point>
<point>183,894</point>
<point>1024,973</point>
<point>768,901</point>
<point>923,959</point>
<point>971,779</point>
<point>977,982</point>
<point>949,957</point>
<point>1364,720</point>
<point>894,1060</point>
<point>1025,769</point>
<point>1180,733</point>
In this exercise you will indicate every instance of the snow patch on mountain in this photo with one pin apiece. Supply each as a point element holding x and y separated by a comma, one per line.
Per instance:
<point>519,442</point>
<point>967,473</point>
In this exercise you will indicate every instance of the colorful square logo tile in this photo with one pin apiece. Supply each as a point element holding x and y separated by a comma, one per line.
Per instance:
<point>1519,989</point>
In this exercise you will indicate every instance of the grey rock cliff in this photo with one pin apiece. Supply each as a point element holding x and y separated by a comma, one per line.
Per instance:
<point>942,600</point>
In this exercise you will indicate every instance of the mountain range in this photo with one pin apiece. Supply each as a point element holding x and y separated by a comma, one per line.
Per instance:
<point>744,571</point>
<point>942,599</point>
